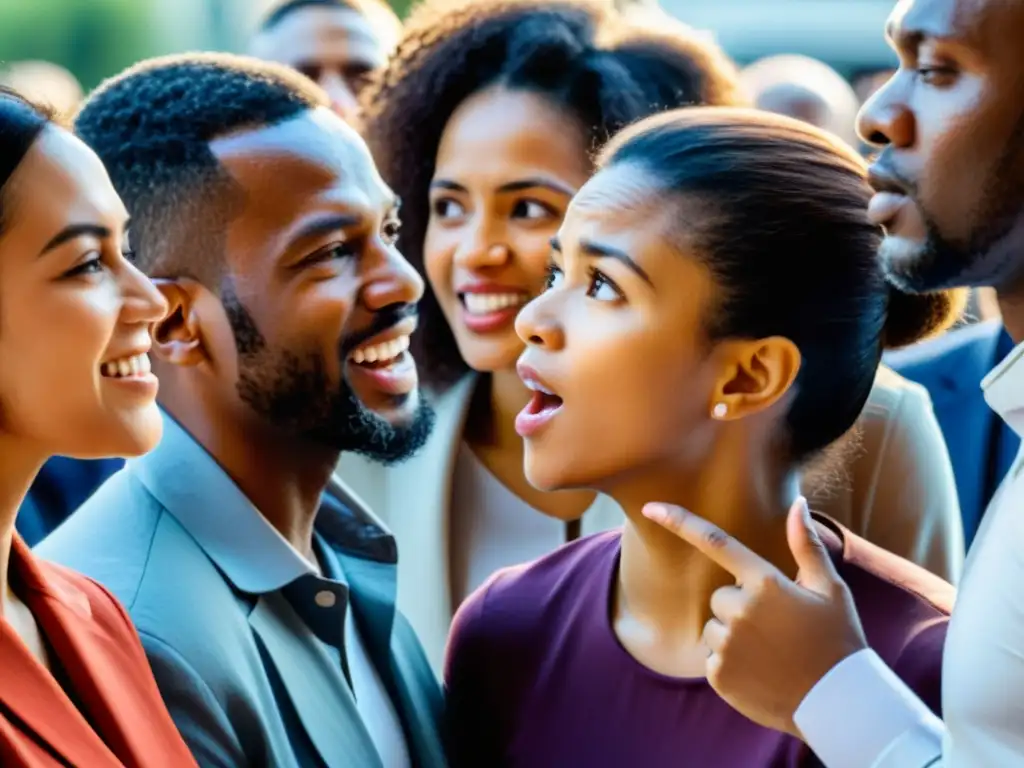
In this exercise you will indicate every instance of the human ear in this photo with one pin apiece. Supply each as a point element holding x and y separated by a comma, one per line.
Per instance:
<point>177,338</point>
<point>756,375</point>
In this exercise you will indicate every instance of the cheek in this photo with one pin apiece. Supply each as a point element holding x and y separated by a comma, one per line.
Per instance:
<point>438,253</point>
<point>962,141</point>
<point>533,254</point>
<point>630,400</point>
<point>55,383</point>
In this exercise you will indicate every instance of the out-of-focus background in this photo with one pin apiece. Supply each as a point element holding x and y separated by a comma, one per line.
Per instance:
<point>96,38</point>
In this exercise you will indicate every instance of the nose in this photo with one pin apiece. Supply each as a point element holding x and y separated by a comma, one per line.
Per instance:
<point>392,281</point>
<point>143,302</point>
<point>885,118</point>
<point>481,245</point>
<point>343,98</point>
<point>538,326</point>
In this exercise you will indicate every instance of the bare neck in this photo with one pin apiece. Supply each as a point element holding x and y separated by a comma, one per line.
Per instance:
<point>665,582</point>
<point>19,465</point>
<point>282,476</point>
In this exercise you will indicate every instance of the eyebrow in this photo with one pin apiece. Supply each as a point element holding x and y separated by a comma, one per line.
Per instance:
<point>325,225</point>
<point>909,36</point>
<point>596,250</point>
<point>73,231</point>
<point>512,186</point>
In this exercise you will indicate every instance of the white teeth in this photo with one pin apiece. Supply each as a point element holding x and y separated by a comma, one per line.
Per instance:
<point>136,365</point>
<point>533,385</point>
<point>385,351</point>
<point>485,303</point>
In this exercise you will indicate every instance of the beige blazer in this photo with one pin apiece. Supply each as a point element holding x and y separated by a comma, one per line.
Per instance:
<point>903,498</point>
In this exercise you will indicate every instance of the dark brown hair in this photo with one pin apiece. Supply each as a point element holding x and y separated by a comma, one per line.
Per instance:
<point>600,70</point>
<point>788,241</point>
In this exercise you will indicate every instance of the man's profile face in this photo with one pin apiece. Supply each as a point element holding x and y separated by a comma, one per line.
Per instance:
<point>337,48</point>
<point>952,122</point>
<point>319,301</point>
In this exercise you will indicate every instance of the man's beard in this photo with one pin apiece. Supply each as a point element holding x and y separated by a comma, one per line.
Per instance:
<point>294,393</point>
<point>990,256</point>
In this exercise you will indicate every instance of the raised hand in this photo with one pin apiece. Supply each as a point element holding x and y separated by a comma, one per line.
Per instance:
<point>771,638</point>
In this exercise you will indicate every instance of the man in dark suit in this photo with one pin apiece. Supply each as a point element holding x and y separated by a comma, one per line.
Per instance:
<point>981,446</point>
<point>61,487</point>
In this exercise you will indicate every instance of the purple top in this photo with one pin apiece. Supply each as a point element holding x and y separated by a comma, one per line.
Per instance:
<point>535,676</point>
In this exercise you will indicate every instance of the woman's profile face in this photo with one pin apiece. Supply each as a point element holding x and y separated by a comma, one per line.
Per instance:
<point>507,166</point>
<point>618,339</point>
<point>74,312</point>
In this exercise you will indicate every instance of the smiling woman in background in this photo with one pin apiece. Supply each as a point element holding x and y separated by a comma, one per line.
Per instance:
<point>76,688</point>
<point>485,123</point>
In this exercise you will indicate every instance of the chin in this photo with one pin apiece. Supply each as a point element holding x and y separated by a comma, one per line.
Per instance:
<point>491,355</point>
<point>549,476</point>
<point>903,258</point>
<point>142,434</point>
<point>400,411</point>
<point>129,436</point>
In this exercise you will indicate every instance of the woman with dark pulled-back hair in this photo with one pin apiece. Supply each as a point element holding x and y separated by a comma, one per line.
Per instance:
<point>713,320</point>
<point>75,686</point>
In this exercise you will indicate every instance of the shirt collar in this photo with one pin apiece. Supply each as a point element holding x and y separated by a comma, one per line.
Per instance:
<point>246,548</point>
<point>1004,389</point>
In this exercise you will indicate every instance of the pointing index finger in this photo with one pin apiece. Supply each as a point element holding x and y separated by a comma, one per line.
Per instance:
<point>718,545</point>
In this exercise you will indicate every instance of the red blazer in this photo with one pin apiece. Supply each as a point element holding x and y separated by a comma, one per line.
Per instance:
<point>125,722</point>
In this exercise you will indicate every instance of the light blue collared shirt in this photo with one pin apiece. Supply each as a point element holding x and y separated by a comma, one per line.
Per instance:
<point>247,641</point>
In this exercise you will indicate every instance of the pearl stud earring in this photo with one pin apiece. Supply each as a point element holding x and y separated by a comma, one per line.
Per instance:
<point>720,410</point>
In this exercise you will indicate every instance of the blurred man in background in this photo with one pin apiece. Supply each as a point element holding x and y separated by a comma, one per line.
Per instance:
<point>807,89</point>
<point>44,83</point>
<point>336,43</point>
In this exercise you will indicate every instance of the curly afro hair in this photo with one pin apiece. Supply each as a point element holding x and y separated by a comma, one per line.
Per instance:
<point>603,70</point>
<point>152,126</point>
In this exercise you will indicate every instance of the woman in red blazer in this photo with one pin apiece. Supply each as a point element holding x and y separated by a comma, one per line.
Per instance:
<point>75,686</point>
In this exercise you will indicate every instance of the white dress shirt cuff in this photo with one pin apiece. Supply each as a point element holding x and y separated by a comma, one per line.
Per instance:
<point>861,715</point>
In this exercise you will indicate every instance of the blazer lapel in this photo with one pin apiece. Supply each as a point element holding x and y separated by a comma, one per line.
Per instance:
<point>397,656</point>
<point>31,693</point>
<point>967,424</point>
<point>322,699</point>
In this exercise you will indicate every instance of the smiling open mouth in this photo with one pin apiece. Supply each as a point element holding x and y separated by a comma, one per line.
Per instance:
<point>381,355</point>
<point>125,367</point>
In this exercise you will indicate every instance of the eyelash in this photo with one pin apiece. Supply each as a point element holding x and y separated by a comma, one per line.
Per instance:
<point>597,278</point>
<point>928,73</point>
<point>91,266</point>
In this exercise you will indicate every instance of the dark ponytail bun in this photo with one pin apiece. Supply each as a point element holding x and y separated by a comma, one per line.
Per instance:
<point>913,317</point>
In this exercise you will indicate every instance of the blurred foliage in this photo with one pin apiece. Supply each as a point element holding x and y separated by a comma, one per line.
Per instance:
<point>92,38</point>
<point>402,7</point>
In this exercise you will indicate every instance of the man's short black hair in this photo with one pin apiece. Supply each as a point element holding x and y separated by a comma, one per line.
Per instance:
<point>152,126</point>
<point>282,10</point>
